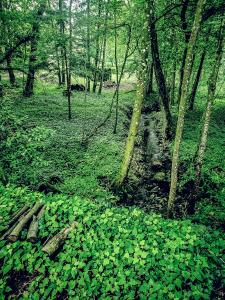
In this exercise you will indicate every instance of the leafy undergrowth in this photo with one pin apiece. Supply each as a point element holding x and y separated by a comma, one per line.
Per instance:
<point>114,253</point>
<point>78,166</point>
<point>211,207</point>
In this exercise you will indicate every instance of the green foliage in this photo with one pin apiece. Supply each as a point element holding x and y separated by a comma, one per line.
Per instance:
<point>21,148</point>
<point>113,253</point>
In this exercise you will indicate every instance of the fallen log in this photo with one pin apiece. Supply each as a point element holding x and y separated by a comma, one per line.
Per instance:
<point>15,217</point>
<point>54,243</point>
<point>13,236</point>
<point>33,229</point>
<point>18,214</point>
<point>5,235</point>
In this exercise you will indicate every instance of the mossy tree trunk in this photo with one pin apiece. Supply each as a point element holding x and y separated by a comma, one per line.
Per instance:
<point>206,120</point>
<point>129,147</point>
<point>183,102</point>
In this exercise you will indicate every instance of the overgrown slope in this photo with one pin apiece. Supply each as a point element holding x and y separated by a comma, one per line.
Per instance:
<point>115,253</point>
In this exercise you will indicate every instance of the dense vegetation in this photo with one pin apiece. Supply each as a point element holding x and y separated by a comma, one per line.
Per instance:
<point>112,146</point>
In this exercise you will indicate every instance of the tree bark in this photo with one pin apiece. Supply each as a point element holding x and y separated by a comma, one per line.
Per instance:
<point>104,49</point>
<point>196,81</point>
<point>149,81</point>
<point>182,106</point>
<point>88,46</point>
<point>129,147</point>
<point>161,82</point>
<point>206,120</point>
<point>53,245</point>
<point>61,31</point>
<point>97,48</point>
<point>29,87</point>
<point>184,27</point>
<point>33,229</point>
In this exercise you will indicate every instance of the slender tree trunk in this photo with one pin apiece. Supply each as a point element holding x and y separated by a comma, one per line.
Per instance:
<point>58,67</point>
<point>62,54</point>
<point>184,27</point>
<point>182,106</point>
<point>173,81</point>
<point>68,62</point>
<point>29,87</point>
<point>88,46</point>
<point>12,77</point>
<point>129,147</point>
<point>97,48</point>
<point>161,82</point>
<point>196,81</point>
<point>149,81</point>
<point>117,72</point>
<point>206,121</point>
<point>1,95</point>
<point>103,50</point>
<point>119,77</point>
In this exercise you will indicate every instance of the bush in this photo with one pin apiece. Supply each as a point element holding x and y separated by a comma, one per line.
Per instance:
<point>21,149</point>
<point>115,253</point>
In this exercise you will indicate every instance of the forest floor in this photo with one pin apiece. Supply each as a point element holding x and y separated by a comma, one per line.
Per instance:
<point>88,171</point>
<point>116,251</point>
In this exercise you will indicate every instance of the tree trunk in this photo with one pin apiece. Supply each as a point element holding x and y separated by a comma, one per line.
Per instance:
<point>117,71</point>
<point>29,87</point>
<point>182,106</point>
<point>103,49</point>
<point>129,147</point>
<point>206,120</point>
<point>196,81</point>
<point>184,27</point>
<point>68,62</point>
<point>97,48</point>
<point>61,31</point>
<point>173,82</point>
<point>149,81</point>
<point>161,82</point>
<point>12,77</point>
<point>88,84</point>
<point>119,77</point>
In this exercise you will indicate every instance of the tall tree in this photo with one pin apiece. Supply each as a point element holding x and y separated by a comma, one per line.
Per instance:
<point>29,87</point>
<point>198,75</point>
<point>184,27</point>
<point>206,120</point>
<point>183,102</point>
<point>161,82</point>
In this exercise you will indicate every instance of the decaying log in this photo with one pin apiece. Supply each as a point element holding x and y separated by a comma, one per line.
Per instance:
<point>18,214</point>
<point>13,236</point>
<point>10,229</point>
<point>33,229</point>
<point>57,240</point>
